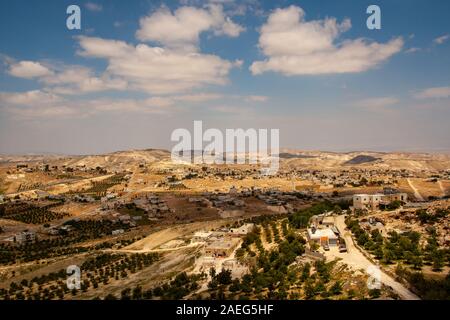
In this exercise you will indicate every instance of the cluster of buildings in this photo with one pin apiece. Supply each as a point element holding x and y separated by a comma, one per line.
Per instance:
<point>21,237</point>
<point>323,232</point>
<point>218,248</point>
<point>276,201</point>
<point>348,178</point>
<point>222,200</point>
<point>221,243</point>
<point>153,205</point>
<point>372,224</point>
<point>323,236</point>
<point>24,237</point>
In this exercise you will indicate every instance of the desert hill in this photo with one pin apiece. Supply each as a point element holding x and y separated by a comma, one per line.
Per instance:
<point>293,159</point>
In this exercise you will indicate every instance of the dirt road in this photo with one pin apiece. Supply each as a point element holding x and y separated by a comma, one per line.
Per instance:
<point>147,250</point>
<point>156,239</point>
<point>357,260</point>
<point>416,192</point>
<point>442,188</point>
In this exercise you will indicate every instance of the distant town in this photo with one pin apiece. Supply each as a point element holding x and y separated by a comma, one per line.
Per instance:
<point>141,227</point>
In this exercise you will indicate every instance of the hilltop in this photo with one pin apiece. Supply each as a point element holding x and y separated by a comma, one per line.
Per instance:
<point>315,160</point>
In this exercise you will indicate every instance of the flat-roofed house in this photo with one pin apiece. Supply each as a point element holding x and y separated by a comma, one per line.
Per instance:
<point>323,237</point>
<point>328,221</point>
<point>367,201</point>
<point>242,230</point>
<point>373,201</point>
<point>25,237</point>
<point>221,248</point>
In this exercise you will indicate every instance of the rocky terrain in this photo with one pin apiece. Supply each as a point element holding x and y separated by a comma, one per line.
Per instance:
<point>289,159</point>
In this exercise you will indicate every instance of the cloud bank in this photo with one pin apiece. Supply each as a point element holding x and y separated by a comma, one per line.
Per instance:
<point>294,46</point>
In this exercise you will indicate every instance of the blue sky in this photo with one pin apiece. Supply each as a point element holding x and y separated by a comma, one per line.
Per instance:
<point>137,70</point>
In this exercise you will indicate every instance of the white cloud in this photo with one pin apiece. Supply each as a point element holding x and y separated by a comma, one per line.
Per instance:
<point>150,105</point>
<point>35,104</point>
<point>441,39</point>
<point>39,104</point>
<point>28,98</point>
<point>91,6</point>
<point>44,112</point>
<point>198,97</point>
<point>78,79</point>
<point>66,79</point>
<point>295,46</point>
<point>230,28</point>
<point>171,69</point>
<point>377,103</point>
<point>28,70</point>
<point>157,70</point>
<point>257,98</point>
<point>181,30</point>
<point>103,48</point>
<point>413,50</point>
<point>433,93</point>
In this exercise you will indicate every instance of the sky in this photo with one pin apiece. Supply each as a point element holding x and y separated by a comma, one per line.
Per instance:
<point>139,69</point>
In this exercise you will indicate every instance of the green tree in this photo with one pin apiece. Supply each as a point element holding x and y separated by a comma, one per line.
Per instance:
<point>336,288</point>
<point>224,277</point>
<point>438,260</point>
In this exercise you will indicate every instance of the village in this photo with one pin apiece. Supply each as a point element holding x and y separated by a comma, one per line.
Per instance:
<point>220,218</point>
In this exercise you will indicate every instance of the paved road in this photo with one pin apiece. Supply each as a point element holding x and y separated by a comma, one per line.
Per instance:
<point>357,260</point>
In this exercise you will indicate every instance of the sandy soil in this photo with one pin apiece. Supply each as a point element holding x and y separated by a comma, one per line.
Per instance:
<point>415,190</point>
<point>158,238</point>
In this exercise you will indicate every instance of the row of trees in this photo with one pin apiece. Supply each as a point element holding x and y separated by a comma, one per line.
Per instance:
<point>270,268</point>
<point>405,249</point>
<point>182,285</point>
<point>300,219</point>
<point>96,271</point>
<point>430,218</point>
<point>29,213</point>
<point>99,188</point>
<point>80,231</point>
<point>428,289</point>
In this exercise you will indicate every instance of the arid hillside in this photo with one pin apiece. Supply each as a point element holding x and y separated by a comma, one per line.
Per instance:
<point>395,160</point>
<point>290,159</point>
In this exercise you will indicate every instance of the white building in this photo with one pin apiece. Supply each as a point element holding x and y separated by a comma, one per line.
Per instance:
<point>117,232</point>
<point>25,237</point>
<point>373,201</point>
<point>242,230</point>
<point>367,201</point>
<point>324,236</point>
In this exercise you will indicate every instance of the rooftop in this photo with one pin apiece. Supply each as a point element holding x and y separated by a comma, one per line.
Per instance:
<point>321,233</point>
